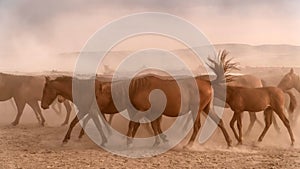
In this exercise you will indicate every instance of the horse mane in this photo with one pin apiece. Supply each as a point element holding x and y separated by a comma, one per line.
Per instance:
<point>222,66</point>
<point>63,78</point>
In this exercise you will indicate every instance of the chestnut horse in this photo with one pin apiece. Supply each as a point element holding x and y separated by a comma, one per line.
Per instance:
<point>140,89</point>
<point>24,90</point>
<point>240,99</point>
<point>290,81</point>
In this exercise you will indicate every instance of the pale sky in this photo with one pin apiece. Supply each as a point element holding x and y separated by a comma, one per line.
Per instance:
<point>40,29</point>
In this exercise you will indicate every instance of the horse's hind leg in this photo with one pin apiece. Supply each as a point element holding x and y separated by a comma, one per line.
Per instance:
<point>196,127</point>
<point>220,123</point>
<point>20,103</point>
<point>35,106</point>
<point>253,118</point>
<point>268,120</point>
<point>155,127</point>
<point>286,123</point>
<point>161,134</point>
<point>276,126</point>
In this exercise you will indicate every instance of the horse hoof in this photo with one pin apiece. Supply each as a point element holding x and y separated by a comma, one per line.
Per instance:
<point>14,123</point>
<point>239,144</point>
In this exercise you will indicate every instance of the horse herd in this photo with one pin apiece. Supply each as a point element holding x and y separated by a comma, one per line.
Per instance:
<point>243,93</point>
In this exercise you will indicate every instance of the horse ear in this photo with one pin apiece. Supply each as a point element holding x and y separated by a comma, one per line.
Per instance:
<point>47,78</point>
<point>291,71</point>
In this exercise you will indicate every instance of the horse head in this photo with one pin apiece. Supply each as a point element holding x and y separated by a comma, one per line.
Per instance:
<point>289,81</point>
<point>49,93</point>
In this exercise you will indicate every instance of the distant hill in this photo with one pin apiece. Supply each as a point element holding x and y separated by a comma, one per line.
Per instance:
<point>247,55</point>
<point>264,55</point>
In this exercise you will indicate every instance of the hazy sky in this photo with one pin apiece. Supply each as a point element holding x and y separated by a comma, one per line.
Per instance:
<point>40,29</point>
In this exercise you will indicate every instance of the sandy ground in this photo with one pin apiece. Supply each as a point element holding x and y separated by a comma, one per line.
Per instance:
<point>29,145</point>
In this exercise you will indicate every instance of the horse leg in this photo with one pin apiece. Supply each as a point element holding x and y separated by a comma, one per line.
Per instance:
<point>76,119</point>
<point>239,125</point>
<point>132,128</point>
<point>69,109</point>
<point>220,123</point>
<point>276,126</point>
<point>188,119</point>
<point>161,134</point>
<point>110,118</point>
<point>36,108</point>
<point>97,122</point>
<point>232,121</point>
<point>20,103</point>
<point>155,126</point>
<point>286,123</point>
<point>196,127</point>
<point>85,121</point>
<point>253,118</point>
<point>268,120</point>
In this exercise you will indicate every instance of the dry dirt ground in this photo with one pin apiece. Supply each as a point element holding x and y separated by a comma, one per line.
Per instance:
<point>29,145</point>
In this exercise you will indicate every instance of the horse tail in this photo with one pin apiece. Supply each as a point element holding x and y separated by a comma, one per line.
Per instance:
<point>264,83</point>
<point>293,101</point>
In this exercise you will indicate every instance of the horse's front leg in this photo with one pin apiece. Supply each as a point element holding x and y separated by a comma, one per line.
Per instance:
<point>268,113</point>
<point>20,103</point>
<point>232,121</point>
<point>239,125</point>
<point>68,109</point>
<point>76,119</point>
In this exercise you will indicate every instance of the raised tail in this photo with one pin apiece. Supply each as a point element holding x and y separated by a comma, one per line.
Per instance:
<point>293,101</point>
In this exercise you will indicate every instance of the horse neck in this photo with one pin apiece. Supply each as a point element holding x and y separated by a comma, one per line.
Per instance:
<point>297,84</point>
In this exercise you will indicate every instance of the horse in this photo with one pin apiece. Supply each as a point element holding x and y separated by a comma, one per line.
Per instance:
<point>289,81</point>
<point>62,86</point>
<point>140,88</point>
<point>249,81</point>
<point>240,99</point>
<point>24,90</point>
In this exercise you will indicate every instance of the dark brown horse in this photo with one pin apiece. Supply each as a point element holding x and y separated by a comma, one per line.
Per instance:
<point>140,89</point>
<point>24,90</point>
<point>242,99</point>
<point>62,86</point>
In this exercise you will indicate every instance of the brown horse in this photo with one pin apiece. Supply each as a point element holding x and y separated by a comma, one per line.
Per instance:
<point>63,86</point>
<point>290,81</point>
<point>248,81</point>
<point>140,89</point>
<point>24,90</point>
<point>242,99</point>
